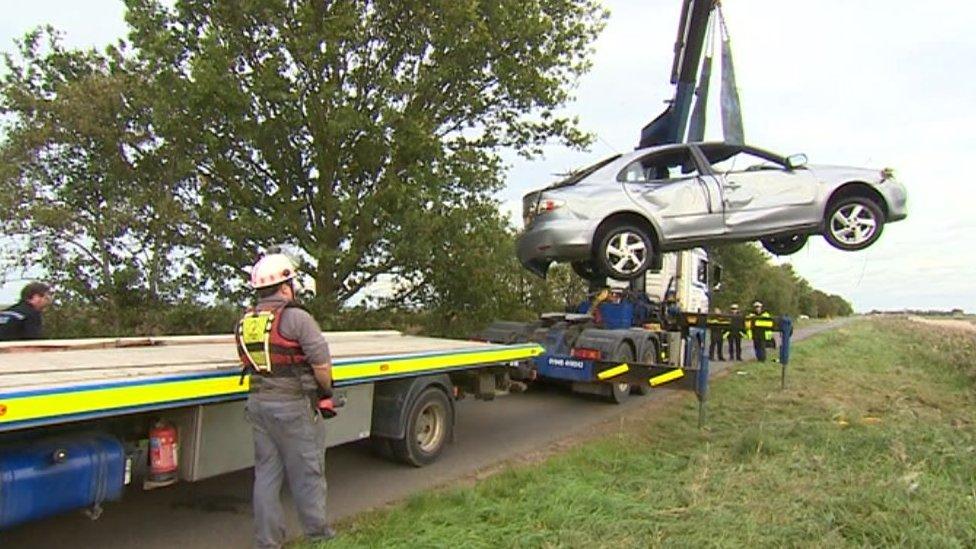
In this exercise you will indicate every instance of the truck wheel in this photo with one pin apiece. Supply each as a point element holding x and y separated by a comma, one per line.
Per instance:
<point>618,392</point>
<point>429,423</point>
<point>649,356</point>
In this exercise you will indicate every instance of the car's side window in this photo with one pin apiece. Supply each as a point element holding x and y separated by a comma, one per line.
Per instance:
<point>742,161</point>
<point>660,167</point>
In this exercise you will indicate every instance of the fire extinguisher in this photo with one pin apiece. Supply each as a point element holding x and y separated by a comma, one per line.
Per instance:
<point>163,452</point>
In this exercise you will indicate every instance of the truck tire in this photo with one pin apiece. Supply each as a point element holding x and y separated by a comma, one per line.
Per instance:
<point>648,356</point>
<point>618,392</point>
<point>429,424</point>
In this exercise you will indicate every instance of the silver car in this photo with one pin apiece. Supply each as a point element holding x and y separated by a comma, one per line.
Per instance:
<point>613,218</point>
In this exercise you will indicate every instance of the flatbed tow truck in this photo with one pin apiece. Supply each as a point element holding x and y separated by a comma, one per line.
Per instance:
<point>75,414</point>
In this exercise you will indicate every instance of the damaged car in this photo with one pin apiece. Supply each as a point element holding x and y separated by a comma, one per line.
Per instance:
<point>615,217</point>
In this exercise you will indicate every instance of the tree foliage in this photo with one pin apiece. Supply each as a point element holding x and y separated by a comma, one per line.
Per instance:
<point>749,276</point>
<point>364,133</point>
<point>88,191</point>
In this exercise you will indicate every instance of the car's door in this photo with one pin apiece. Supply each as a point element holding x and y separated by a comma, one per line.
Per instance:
<point>760,192</point>
<point>667,185</point>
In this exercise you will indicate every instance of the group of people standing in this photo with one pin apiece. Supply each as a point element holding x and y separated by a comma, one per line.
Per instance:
<point>739,327</point>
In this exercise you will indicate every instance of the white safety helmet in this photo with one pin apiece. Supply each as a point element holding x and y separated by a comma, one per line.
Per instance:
<point>757,304</point>
<point>271,270</point>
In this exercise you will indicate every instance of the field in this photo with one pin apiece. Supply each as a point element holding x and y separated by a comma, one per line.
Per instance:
<point>873,443</point>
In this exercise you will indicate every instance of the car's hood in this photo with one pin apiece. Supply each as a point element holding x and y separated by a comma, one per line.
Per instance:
<point>848,173</point>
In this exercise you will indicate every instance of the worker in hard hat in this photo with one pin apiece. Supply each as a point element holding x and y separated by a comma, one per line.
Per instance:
<point>737,327</point>
<point>283,349</point>
<point>715,336</point>
<point>759,335</point>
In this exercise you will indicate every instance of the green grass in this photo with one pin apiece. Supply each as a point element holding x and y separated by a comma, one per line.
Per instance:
<point>873,444</point>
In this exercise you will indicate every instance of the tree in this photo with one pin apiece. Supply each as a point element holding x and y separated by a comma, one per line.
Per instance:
<point>359,132</point>
<point>88,191</point>
<point>749,276</point>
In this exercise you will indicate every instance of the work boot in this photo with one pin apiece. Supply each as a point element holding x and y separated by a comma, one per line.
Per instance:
<point>326,536</point>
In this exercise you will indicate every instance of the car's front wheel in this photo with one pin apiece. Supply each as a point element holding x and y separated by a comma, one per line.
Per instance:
<point>624,251</point>
<point>853,223</point>
<point>784,244</point>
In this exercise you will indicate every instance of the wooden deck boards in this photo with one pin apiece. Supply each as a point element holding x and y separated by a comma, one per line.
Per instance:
<point>66,362</point>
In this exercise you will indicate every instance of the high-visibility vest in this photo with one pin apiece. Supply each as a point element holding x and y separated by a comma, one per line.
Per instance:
<point>751,319</point>
<point>261,346</point>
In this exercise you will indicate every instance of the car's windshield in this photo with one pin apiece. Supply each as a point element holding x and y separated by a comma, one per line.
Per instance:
<point>576,176</point>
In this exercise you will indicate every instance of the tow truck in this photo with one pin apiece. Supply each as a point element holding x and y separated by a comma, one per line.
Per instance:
<point>631,336</point>
<point>76,415</point>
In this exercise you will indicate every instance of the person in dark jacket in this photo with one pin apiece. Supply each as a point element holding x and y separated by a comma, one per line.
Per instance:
<point>715,339</point>
<point>24,320</point>
<point>736,329</point>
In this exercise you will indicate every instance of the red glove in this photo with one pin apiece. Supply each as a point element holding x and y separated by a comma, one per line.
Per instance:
<point>326,408</point>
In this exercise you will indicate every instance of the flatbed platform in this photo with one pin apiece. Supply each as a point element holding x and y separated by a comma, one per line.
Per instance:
<point>56,381</point>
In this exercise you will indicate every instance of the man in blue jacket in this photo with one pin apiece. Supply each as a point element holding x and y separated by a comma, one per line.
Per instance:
<point>23,320</point>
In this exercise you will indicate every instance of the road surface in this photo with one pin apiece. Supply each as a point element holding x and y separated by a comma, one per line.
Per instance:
<point>217,512</point>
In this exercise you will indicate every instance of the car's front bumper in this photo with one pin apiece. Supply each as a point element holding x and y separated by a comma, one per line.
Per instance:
<point>547,241</point>
<point>896,196</point>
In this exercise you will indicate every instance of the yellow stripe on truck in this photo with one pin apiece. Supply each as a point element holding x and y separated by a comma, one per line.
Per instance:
<point>31,407</point>
<point>99,399</point>
<point>613,372</point>
<point>384,368</point>
<point>666,377</point>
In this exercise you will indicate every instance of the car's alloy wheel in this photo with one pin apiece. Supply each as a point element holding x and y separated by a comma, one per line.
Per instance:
<point>785,244</point>
<point>853,223</point>
<point>624,252</point>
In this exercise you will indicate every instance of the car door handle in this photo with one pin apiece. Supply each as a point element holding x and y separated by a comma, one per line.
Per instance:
<point>732,185</point>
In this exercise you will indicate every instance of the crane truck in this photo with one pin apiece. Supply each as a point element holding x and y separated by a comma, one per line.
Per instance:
<point>81,419</point>
<point>650,330</point>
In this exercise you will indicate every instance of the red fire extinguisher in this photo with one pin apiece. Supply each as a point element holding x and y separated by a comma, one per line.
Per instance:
<point>163,453</point>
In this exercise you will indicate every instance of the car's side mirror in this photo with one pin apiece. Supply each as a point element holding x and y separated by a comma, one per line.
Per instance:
<point>795,161</point>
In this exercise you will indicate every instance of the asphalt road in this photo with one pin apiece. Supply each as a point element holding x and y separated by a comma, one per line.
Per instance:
<point>217,513</point>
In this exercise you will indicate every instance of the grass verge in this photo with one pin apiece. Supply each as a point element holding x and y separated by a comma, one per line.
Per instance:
<point>873,443</point>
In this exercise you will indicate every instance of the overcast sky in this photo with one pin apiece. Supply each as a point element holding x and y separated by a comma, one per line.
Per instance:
<point>858,82</point>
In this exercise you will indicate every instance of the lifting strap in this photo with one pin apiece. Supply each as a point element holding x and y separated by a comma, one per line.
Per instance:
<point>731,108</point>
<point>696,128</point>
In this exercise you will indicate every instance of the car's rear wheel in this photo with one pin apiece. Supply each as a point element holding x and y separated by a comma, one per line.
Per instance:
<point>853,223</point>
<point>624,251</point>
<point>784,244</point>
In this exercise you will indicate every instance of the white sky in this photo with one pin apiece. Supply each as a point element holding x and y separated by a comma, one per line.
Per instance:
<point>859,82</point>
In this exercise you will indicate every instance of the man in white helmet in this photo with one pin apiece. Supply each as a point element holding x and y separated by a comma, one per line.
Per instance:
<point>282,347</point>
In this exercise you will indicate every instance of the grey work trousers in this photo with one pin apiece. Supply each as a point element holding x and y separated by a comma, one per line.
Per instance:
<point>289,442</point>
